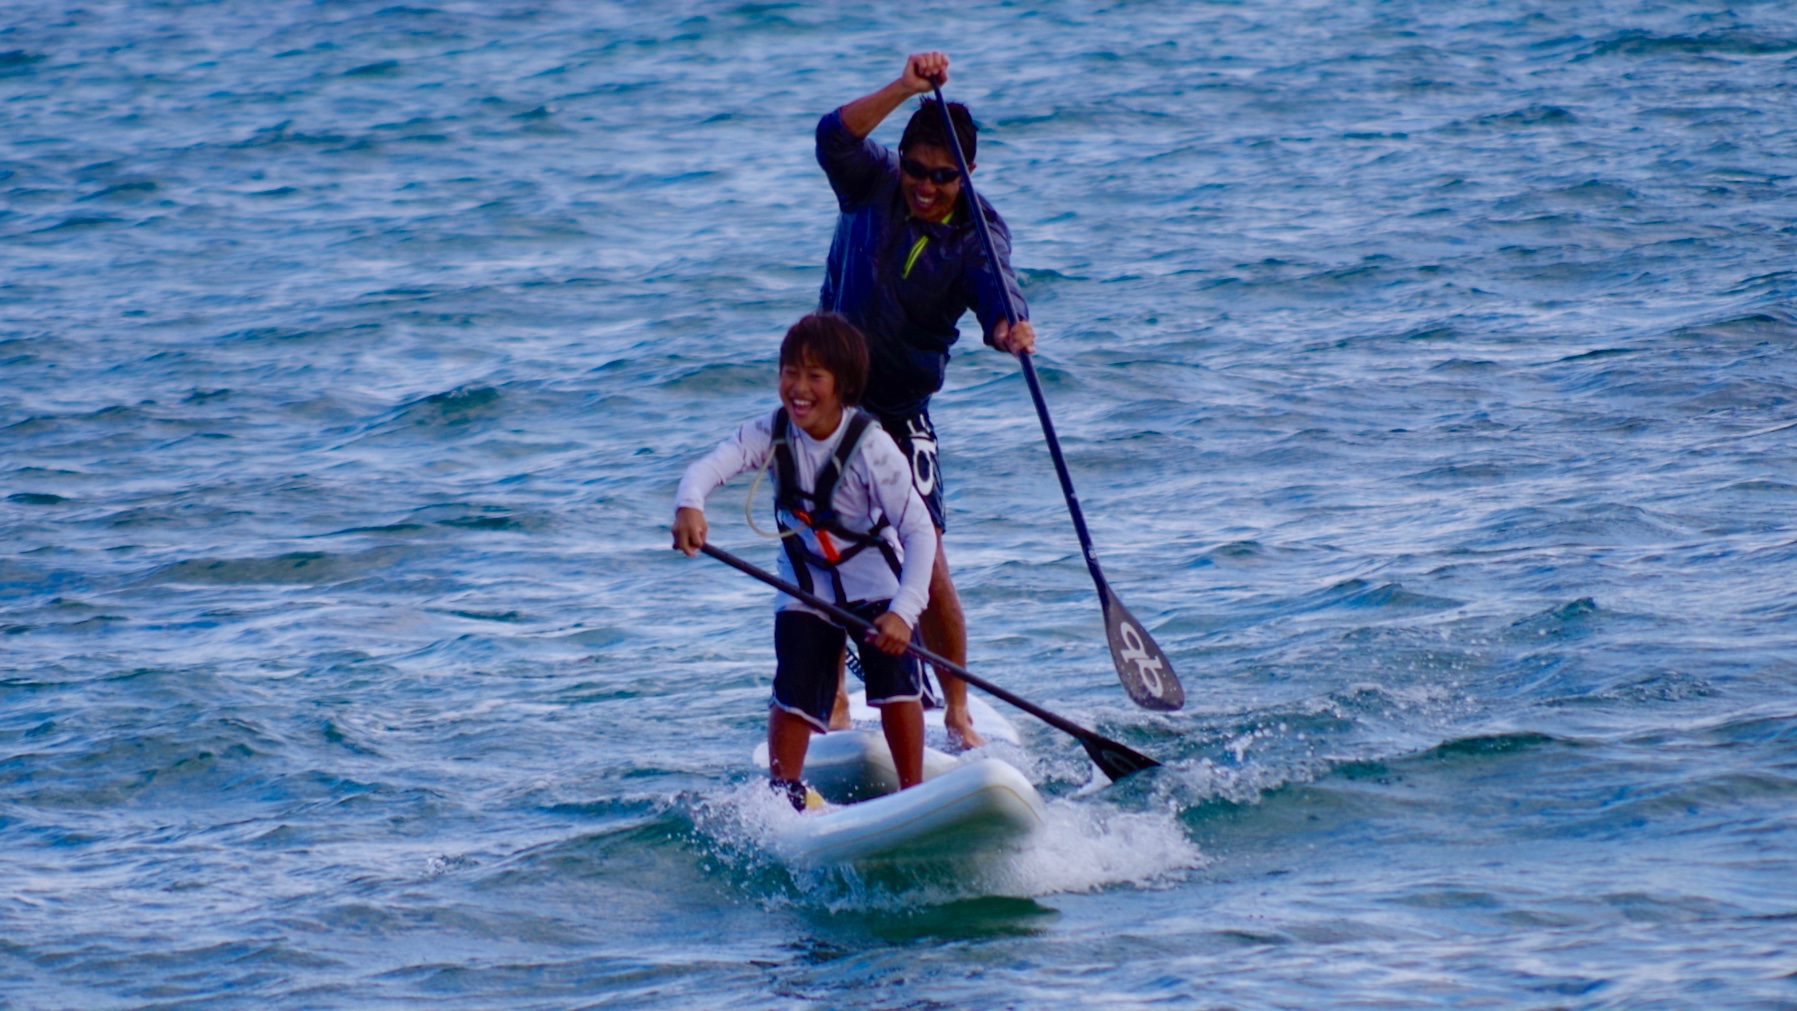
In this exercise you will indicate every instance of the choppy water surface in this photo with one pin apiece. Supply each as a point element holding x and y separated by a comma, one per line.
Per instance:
<point>1427,372</point>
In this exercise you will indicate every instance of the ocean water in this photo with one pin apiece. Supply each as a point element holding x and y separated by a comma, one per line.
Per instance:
<point>1428,373</point>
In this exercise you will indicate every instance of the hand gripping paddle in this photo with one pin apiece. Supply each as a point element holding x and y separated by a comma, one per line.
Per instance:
<point>1113,759</point>
<point>1146,673</point>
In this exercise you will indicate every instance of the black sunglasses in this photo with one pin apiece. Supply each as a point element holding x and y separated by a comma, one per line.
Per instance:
<point>940,176</point>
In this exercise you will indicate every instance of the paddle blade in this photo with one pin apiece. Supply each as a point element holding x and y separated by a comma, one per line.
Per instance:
<point>1145,671</point>
<point>1113,759</point>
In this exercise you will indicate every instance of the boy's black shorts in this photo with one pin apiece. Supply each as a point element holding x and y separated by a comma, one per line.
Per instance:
<point>807,649</point>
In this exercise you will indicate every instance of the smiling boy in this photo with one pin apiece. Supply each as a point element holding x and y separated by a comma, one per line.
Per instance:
<point>853,528</point>
<point>904,265</point>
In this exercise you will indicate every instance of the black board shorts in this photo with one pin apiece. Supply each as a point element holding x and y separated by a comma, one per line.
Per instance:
<point>808,648</point>
<point>916,438</point>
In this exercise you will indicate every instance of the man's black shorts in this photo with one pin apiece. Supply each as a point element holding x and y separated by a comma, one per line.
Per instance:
<point>916,438</point>
<point>808,649</point>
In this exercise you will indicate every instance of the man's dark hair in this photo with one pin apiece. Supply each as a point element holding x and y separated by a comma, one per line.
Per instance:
<point>926,128</point>
<point>833,343</point>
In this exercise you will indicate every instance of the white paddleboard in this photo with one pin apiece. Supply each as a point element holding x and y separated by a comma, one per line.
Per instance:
<point>980,805</point>
<point>958,810</point>
<point>991,724</point>
<point>845,766</point>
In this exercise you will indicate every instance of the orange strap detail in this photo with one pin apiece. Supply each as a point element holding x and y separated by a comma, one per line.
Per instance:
<point>823,539</point>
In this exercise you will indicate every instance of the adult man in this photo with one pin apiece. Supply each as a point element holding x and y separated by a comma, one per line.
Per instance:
<point>904,265</point>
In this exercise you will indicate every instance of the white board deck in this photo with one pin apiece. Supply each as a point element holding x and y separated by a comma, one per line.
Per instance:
<point>991,724</point>
<point>845,766</point>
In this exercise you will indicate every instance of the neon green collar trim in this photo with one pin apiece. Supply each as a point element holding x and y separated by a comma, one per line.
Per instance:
<point>917,247</point>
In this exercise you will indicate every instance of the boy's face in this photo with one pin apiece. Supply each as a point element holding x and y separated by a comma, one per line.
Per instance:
<point>925,197</point>
<point>808,392</point>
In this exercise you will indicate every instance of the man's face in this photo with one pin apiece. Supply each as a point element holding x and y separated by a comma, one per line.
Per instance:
<point>925,197</point>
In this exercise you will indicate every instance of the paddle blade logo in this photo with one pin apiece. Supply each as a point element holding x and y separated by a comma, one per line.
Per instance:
<point>1146,673</point>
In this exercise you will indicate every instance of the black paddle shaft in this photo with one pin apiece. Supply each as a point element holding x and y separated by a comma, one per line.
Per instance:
<point>1146,673</point>
<point>1113,759</point>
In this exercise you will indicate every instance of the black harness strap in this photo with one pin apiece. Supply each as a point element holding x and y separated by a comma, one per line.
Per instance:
<point>816,511</point>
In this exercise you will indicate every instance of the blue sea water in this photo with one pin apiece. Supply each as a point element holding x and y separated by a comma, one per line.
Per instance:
<point>1428,373</point>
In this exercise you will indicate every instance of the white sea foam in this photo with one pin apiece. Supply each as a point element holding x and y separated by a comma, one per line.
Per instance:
<point>1088,845</point>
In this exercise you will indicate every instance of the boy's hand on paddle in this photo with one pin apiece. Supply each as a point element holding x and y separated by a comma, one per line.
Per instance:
<point>923,71</point>
<point>891,634</point>
<point>1014,340</point>
<point>690,529</point>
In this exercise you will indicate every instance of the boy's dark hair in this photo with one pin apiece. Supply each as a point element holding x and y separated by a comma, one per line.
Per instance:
<point>926,128</point>
<point>833,343</point>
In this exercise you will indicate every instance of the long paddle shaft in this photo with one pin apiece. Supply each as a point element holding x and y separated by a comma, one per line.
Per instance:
<point>1146,673</point>
<point>1113,759</point>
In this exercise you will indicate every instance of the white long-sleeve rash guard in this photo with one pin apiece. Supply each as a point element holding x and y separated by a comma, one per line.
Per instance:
<point>876,483</point>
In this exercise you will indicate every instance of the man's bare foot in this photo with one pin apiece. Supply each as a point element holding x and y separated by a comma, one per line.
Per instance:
<point>959,723</point>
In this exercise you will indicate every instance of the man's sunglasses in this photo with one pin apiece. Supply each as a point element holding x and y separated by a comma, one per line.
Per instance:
<point>917,170</point>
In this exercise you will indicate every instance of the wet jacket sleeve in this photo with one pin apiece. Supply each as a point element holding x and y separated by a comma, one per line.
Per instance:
<point>853,164</point>
<point>747,450</point>
<point>986,297</point>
